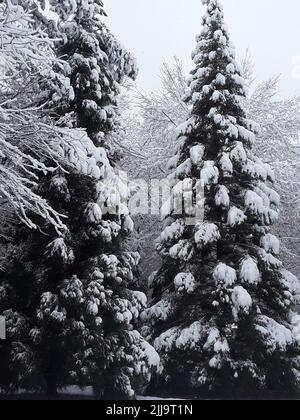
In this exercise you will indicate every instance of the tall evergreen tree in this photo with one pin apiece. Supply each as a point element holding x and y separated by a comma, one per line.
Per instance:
<point>70,298</point>
<point>223,305</point>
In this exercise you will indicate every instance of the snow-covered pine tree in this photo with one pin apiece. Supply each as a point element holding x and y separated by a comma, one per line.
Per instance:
<point>70,300</point>
<point>222,309</point>
<point>162,113</point>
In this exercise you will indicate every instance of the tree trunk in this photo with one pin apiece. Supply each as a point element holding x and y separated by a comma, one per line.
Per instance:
<point>51,388</point>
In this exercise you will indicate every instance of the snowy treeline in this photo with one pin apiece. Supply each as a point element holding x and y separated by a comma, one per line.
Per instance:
<point>220,318</point>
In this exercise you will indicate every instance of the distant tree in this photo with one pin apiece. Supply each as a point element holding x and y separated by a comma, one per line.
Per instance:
<point>279,145</point>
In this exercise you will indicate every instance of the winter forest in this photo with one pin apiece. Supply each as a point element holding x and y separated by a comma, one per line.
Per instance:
<point>149,241</point>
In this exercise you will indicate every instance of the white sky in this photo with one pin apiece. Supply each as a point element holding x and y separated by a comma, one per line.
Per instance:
<point>156,30</point>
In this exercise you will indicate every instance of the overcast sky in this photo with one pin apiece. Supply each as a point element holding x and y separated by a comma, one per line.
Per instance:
<point>156,30</point>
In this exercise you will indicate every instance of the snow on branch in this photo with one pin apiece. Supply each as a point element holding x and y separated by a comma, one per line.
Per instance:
<point>28,140</point>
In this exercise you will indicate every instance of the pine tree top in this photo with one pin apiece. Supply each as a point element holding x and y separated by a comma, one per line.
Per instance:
<point>217,138</point>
